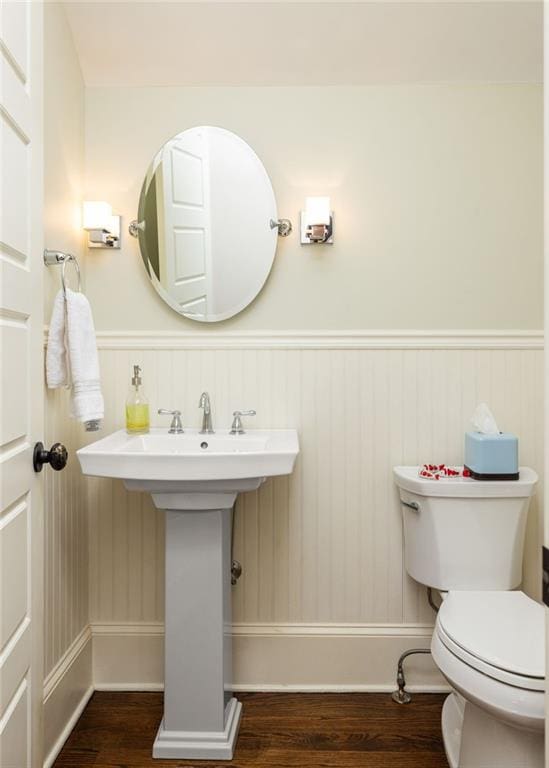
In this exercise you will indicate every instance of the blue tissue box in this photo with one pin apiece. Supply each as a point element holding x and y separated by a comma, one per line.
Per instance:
<point>492,457</point>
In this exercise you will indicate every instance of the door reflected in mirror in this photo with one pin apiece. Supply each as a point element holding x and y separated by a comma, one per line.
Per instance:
<point>205,223</point>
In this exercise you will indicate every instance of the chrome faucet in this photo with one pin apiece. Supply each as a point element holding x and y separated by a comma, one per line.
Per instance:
<point>207,427</point>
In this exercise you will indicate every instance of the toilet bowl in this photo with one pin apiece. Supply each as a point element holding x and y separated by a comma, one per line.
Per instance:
<point>490,647</point>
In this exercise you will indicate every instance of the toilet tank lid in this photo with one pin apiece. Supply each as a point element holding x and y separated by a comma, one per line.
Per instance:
<point>408,479</point>
<point>506,630</point>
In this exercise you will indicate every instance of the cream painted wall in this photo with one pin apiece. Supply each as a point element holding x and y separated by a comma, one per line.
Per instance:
<point>64,140</point>
<point>437,192</point>
<point>68,675</point>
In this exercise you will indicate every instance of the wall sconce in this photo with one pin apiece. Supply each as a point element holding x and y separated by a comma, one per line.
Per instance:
<point>102,227</point>
<point>317,221</point>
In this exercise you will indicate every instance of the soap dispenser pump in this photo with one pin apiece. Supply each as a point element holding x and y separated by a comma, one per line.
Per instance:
<point>137,406</point>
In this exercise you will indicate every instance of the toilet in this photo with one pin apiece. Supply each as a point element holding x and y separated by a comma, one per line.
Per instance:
<point>464,538</point>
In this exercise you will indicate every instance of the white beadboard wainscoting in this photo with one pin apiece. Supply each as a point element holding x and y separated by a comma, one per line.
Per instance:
<point>66,583</point>
<point>324,601</point>
<point>67,690</point>
<point>67,635</point>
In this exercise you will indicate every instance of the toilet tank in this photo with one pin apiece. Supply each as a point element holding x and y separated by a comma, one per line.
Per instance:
<point>461,533</point>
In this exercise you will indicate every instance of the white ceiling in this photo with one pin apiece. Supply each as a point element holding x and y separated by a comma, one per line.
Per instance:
<point>307,43</point>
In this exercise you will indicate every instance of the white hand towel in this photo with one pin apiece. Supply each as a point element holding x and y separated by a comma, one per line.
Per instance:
<point>72,357</point>
<point>57,372</point>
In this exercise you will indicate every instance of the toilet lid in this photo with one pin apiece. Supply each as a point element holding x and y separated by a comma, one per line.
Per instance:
<point>502,631</point>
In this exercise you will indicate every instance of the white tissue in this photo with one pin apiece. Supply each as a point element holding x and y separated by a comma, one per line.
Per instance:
<point>483,420</point>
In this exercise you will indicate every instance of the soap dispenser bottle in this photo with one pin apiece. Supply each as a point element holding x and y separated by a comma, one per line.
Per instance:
<point>137,406</point>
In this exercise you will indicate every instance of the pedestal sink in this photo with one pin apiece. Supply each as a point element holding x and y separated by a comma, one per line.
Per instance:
<point>195,478</point>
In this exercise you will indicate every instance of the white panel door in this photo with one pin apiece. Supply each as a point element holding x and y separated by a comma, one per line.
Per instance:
<point>185,226</point>
<point>21,383</point>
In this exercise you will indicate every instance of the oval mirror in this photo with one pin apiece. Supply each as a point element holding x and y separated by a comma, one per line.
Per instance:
<point>206,223</point>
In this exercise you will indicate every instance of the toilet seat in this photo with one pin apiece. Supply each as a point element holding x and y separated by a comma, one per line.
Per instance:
<point>500,634</point>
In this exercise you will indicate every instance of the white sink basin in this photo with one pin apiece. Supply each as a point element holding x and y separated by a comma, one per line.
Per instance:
<point>159,456</point>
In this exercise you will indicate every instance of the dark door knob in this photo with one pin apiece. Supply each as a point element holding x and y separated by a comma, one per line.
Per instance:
<point>56,457</point>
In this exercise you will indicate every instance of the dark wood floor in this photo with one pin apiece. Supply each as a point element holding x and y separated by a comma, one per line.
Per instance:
<point>279,730</point>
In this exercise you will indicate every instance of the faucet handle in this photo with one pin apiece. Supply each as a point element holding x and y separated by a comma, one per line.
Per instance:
<point>236,426</point>
<point>176,427</point>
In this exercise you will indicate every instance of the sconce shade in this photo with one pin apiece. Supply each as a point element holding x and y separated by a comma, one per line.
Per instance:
<point>317,210</point>
<point>96,214</point>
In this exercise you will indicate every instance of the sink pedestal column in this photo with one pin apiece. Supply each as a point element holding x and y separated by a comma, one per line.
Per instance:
<point>196,482</point>
<point>201,717</point>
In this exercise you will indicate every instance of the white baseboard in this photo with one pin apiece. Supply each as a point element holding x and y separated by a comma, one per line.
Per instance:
<point>354,688</point>
<point>67,730</point>
<point>156,629</point>
<point>67,690</point>
<point>129,687</point>
<point>280,657</point>
<point>71,655</point>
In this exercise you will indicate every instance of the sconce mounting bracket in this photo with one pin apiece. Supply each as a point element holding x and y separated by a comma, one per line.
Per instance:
<point>309,234</point>
<point>135,227</point>
<point>284,226</point>
<point>103,238</point>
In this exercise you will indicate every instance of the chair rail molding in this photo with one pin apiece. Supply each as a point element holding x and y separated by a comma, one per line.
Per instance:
<point>320,339</point>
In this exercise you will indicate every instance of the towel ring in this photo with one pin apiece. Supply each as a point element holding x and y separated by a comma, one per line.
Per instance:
<point>54,258</point>
<point>72,261</point>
